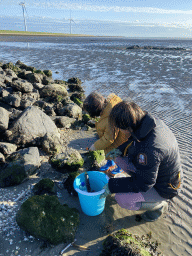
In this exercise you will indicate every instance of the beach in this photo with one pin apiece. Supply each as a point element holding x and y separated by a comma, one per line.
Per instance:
<point>160,82</point>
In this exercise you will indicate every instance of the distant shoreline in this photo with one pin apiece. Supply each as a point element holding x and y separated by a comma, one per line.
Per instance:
<point>28,33</point>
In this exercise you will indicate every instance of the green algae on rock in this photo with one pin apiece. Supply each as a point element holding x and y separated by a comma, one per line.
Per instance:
<point>96,157</point>
<point>124,243</point>
<point>45,218</point>
<point>44,186</point>
<point>13,174</point>
<point>71,161</point>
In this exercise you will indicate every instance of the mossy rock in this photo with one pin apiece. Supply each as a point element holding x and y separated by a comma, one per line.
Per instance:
<point>68,183</point>
<point>44,186</point>
<point>45,218</point>
<point>57,81</point>
<point>74,80</point>
<point>124,243</point>
<point>69,161</point>
<point>8,65</point>
<point>96,157</point>
<point>78,102</point>
<point>13,174</point>
<point>38,71</point>
<point>79,95</point>
<point>48,73</point>
<point>86,118</point>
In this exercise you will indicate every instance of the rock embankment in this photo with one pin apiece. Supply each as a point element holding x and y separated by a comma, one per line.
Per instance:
<point>137,47</point>
<point>33,110</point>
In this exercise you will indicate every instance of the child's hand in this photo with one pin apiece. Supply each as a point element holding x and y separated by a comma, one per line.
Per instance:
<point>113,153</point>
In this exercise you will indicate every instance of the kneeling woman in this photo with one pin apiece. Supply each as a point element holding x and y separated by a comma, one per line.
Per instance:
<point>151,155</point>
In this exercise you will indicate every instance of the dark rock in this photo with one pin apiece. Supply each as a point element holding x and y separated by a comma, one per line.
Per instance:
<point>137,47</point>
<point>74,80</point>
<point>78,95</point>
<point>45,218</point>
<point>68,183</point>
<point>76,87</point>
<point>34,78</point>
<point>48,73</point>
<point>44,186</point>
<point>27,158</point>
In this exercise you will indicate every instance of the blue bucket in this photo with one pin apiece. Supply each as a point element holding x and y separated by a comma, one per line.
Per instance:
<point>90,202</point>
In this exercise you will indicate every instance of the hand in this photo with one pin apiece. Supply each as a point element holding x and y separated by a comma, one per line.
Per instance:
<point>113,153</point>
<point>106,193</point>
<point>92,148</point>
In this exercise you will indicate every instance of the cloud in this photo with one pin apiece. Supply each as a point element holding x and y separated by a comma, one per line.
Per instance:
<point>103,8</point>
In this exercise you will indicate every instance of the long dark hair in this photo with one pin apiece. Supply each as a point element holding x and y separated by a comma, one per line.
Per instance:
<point>94,104</point>
<point>126,115</point>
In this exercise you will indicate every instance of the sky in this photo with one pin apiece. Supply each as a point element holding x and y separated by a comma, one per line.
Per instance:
<point>159,17</point>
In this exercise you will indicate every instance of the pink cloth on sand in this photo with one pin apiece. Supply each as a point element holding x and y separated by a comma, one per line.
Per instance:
<point>131,201</point>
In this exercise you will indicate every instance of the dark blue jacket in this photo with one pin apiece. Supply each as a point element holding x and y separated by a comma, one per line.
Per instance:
<point>154,152</point>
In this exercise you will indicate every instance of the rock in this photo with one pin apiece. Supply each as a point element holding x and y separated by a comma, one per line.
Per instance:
<point>76,87</point>
<point>51,144</point>
<point>123,243</point>
<point>68,183</point>
<point>22,85</point>
<point>48,73</point>
<point>4,119</point>
<point>2,159</point>
<point>7,148</point>
<point>14,114</point>
<point>22,74</point>
<point>45,218</point>
<point>49,110</point>
<point>31,126</point>
<point>63,121</point>
<point>78,102</point>
<point>28,99</point>
<point>12,99</point>
<point>137,47</point>
<point>38,86</point>
<point>44,186</point>
<point>53,90</point>
<point>74,80</point>
<point>29,158</point>
<point>12,174</point>
<point>8,80</point>
<point>10,72</point>
<point>47,80</point>
<point>70,160</point>
<point>34,78</point>
<point>96,158</point>
<point>71,110</point>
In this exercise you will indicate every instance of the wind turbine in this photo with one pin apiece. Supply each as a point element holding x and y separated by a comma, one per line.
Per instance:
<point>71,20</point>
<point>24,10</point>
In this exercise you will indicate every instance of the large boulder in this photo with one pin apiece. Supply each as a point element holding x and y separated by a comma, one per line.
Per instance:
<point>4,119</point>
<point>34,78</point>
<point>68,161</point>
<point>31,126</point>
<point>45,218</point>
